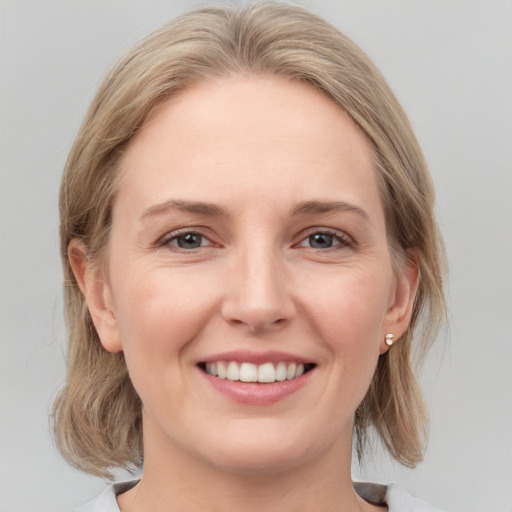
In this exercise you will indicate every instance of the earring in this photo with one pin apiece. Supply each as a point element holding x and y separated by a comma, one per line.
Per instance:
<point>389,339</point>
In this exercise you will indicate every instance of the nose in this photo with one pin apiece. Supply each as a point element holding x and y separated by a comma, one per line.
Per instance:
<point>258,296</point>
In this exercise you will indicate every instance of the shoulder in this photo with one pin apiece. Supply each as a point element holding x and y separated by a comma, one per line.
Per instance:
<point>394,496</point>
<point>106,501</point>
<point>399,500</point>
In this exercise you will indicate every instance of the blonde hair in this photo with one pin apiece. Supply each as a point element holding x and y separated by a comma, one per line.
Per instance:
<point>97,415</point>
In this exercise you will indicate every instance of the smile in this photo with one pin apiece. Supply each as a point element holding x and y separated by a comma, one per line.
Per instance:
<point>262,373</point>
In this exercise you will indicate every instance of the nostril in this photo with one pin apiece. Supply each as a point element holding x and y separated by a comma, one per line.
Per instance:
<point>257,307</point>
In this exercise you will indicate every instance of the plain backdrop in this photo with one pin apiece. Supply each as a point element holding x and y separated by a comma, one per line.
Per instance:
<point>449,62</point>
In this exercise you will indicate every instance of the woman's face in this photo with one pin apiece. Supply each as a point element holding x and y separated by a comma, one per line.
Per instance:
<point>249,240</point>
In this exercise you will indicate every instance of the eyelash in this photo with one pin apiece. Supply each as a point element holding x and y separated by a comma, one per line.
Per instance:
<point>175,235</point>
<point>344,241</point>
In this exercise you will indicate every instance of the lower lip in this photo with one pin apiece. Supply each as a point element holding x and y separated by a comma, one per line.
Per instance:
<point>257,393</point>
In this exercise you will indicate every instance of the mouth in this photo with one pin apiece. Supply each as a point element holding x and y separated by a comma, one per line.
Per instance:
<point>266,373</point>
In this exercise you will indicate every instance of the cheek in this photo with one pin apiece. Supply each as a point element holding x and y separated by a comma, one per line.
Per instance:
<point>160,311</point>
<point>349,307</point>
<point>154,320</point>
<point>347,315</point>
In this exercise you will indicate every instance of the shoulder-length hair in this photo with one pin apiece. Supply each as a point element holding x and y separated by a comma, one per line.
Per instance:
<point>97,415</point>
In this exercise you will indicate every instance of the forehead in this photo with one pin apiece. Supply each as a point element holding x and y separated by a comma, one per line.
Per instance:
<point>252,135</point>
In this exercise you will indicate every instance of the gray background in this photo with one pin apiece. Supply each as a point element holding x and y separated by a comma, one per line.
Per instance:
<point>450,63</point>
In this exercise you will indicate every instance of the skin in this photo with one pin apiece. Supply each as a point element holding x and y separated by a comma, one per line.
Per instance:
<point>257,149</point>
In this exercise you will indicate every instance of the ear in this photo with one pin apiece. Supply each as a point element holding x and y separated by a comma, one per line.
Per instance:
<point>399,313</point>
<point>97,293</point>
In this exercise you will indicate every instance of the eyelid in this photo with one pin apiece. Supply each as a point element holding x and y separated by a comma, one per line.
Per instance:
<point>345,240</point>
<point>165,241</point>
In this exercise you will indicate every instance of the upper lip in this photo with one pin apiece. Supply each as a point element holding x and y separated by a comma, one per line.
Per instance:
<point>245,356</point>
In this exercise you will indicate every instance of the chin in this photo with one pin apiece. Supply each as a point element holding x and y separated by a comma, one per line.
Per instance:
<point>262,454</point>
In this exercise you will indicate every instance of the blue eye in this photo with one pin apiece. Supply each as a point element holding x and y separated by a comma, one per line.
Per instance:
<point>325,240</point>
<point>188,241</point>
<point>321,240</point>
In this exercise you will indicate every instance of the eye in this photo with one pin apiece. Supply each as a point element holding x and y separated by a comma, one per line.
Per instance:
<point>188,241</point>
<point>321,240</point>
<point>325,240</point>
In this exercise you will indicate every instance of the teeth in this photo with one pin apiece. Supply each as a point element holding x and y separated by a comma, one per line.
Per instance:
<point>290,372</point>
<point>233,373</point>
<point>281,372</point>
<point>211,368</point>
<point>249,372</point>
<point>266,373</point>
<point>221,370</point>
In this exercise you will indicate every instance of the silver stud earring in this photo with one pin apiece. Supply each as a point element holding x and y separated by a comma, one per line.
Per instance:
<point>389,339</point>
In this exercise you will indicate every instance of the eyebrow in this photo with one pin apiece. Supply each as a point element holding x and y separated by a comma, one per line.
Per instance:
<point>315,207</point>
<point>198,207</point>
<point>214,210</point>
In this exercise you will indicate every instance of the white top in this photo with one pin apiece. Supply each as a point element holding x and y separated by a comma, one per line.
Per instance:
<point>394,496</point>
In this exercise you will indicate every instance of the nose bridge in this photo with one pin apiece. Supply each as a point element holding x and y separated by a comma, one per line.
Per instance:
<point>258,295</point>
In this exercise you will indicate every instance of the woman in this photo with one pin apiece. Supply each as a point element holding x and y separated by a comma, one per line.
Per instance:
<point>249,250</point>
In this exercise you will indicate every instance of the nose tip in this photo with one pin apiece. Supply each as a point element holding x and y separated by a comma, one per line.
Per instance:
<point>258,298</point>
